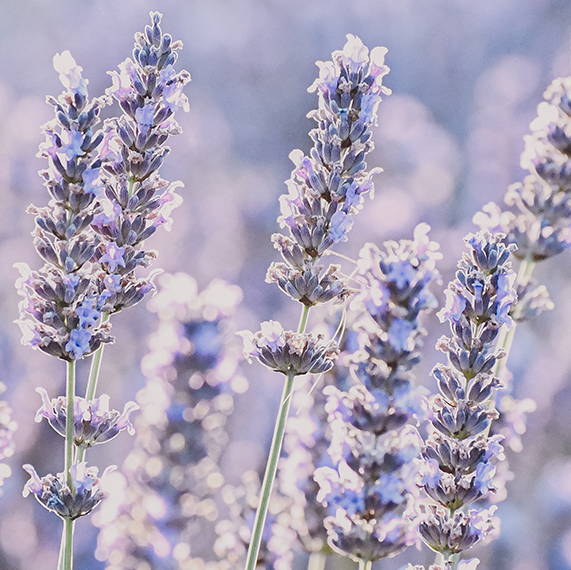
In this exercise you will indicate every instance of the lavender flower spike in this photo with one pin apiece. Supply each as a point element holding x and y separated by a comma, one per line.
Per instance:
<point>61,310</point>
<point>136,201</point>
<point>61,303</point>
<point>460,457</point>
<point>374,442</point>
<point>325,190</point>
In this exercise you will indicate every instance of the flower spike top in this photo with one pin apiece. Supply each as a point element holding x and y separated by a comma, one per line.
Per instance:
<point>538,214</point>
<point>327,187</point>
<point>374,443</point>
<point>61,303</point>
<point>136,201</point>
<point>460,457</point>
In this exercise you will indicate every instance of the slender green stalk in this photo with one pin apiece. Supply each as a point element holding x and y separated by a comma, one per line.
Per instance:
<point>93,381</point>
<point>365,565</point>
<point>95,366</point>
<point>273,458</point>
<point>66,551</point>
<point>506,339</point>
<point>68,525</point>
<point>317,561</point>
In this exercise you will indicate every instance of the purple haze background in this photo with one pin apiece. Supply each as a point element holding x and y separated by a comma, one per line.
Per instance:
<point>466,78</point>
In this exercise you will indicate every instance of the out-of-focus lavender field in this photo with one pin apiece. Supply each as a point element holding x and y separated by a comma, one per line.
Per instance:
<point>466,79</point>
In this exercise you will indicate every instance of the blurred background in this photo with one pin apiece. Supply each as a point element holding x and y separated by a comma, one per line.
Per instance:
<point>466,79</point>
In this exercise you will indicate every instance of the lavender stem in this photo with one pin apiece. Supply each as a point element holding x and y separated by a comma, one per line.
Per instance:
<point>273,458</point>
<point>67,538</point>
<point>95,368</point>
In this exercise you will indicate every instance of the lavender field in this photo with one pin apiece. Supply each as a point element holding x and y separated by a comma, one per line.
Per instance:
<point>207,368</point>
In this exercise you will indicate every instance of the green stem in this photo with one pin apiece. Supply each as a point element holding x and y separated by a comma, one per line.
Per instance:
<point>365,565</point>
<point>66,550</point>
<point>95,366</point>
<point>70,399</point>
<point>506,338</point>
<point>68,525</point>
<point>93,381</point>
<point>317,561</point>
<point>273,459</point>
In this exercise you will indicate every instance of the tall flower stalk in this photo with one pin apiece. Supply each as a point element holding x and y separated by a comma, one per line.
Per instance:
<point>61,302</point>
<point>106,199</point>
<point>165,492</point>
<point>459,456</point>
<point>374,444</point>
<point>325,190</point>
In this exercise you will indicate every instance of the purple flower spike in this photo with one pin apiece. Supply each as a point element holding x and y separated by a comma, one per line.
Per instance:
<point>60,310</point>
<point>372,481</point>
<point>327,187</point>
<point>166,495</point>
<point>460,457</point>
<point>136,201</point>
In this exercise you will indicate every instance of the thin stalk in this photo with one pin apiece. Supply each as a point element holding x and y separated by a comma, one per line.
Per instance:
<point>365,565</point>
<point>506,339</point>
<point>68,525</point>
<point>317,561</point>
<point>273,458</point>
<point>66,552</point>
<point>95,366</point>
<point>93,381</point>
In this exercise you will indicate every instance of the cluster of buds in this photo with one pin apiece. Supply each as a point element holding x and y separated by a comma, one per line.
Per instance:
<point>328,187</point>
<point>93,422</point>
<point>65,500</point>
<point>374,444</point>
<point>135,200</point>
<point>460,455</point>
<point>164,492</point>
<point>289,352</point>
<point>61,303</point>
